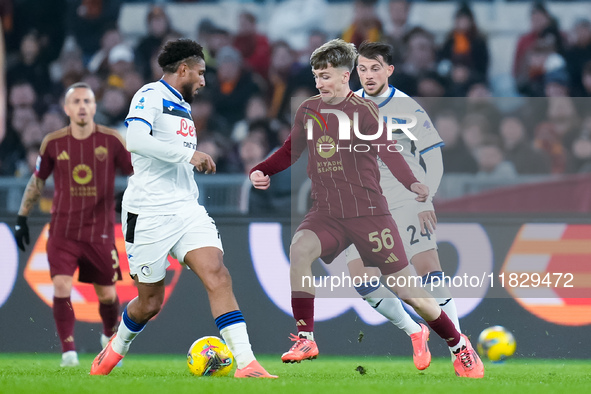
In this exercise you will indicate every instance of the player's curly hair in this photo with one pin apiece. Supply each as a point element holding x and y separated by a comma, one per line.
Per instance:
<point>178,51</point>
<point>336,53</point>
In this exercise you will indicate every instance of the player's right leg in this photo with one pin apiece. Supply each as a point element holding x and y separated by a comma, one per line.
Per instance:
<point>207,263</point>
<point>428,267</point>
<point>63,256</point>
<point>135,316</point>
<point>388,305</point>
<point>305,248</point>
<point>148,240</point>
<point>421,249</point>
<point>200,248</point>
<point>64,317</point>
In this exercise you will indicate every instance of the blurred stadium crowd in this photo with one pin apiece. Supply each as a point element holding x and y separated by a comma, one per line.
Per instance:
<point>244,111</point>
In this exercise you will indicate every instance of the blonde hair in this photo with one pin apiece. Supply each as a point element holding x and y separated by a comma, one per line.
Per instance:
<point>336,53</point>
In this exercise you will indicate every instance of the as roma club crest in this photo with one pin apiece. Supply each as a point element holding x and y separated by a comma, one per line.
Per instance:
<point>101,153</point>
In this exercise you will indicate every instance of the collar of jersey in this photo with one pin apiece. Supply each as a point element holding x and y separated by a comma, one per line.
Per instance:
<point>387,100</point>
<point>173,90</point>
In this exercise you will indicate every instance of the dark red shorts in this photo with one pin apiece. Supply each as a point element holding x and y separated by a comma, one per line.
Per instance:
<point>98,263</point>
<point>376,239</point>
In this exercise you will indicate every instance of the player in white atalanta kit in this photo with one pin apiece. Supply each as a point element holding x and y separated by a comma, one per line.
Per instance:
<point>416,221</point>
<point>161,214</point>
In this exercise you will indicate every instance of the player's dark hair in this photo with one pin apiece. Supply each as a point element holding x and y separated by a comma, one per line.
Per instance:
<point>373,50</point>
<point>178,51</point>
<point>336,53</point>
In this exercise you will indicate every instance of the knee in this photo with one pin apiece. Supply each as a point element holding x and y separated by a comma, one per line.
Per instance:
<point>300,253</point>
<point>108,297</point>
<point>61,289</point>
<point>151,308</point>
<point>218,278</point>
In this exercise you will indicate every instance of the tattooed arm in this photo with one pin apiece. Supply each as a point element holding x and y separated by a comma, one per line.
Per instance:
<point>32,195</point>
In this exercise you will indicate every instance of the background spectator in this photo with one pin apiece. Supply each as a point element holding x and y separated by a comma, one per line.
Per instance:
<point>456,157</point>
<point>419,59</point>
<point>398,11</point>
<point>582,147</point>
<point>540,19</point>
<point>30,66</point>
<point>578,54</point>
<point>465,44</point>
<point>89,20</point>
<point>253,46</point>
<point>366,25</point>
<point>492,164</point>
<point>233,88</point>
<point>158,25</point>
<point>519,150</point>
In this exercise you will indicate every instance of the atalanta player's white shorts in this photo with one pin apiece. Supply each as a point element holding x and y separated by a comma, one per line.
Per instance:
<point>149,239</point>
<point>409,228</point>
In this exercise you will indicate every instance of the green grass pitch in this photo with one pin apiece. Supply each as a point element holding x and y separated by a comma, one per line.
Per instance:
<point>40,373</point>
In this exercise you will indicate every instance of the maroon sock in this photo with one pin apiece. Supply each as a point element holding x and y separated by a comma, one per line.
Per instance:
<point>445,328</point>
<point>302,304</point>
<point>63,315</point>
<point>110,317</point>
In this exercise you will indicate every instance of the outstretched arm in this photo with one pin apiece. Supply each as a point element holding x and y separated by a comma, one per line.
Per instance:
<point>280,160</point>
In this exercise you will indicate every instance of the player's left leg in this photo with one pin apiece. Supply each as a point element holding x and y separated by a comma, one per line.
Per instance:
<point>135,316</point>
<point>64,317</point>
<point>305,248</point>
<point>385,251</point>
<point>108,310</point>
<point>207,263</point>
<point>467,363</point>
<point>64,256</point>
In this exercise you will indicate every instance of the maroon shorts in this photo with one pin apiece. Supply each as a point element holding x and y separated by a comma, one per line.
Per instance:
<point>99,263</point>
<point>376,239</point>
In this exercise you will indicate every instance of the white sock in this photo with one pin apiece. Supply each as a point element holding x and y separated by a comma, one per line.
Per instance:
<point>123,339</point>
<point>236,338</point>
<point>389,306</point>
<point>458,345</point>
<point>306,334</point>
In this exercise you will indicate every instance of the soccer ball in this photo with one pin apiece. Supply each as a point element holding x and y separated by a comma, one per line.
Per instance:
<point>210,356</point>
<point>496,343</point>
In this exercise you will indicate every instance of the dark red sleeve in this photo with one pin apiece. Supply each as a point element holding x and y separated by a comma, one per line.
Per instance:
<point>45,162</point>
<point>289,152</point>
<point>277,162</point>
<point>123,159</point>
<point>394,160</point>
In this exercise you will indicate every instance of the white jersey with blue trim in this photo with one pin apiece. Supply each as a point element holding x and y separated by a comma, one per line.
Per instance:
<point>163,181</point>
<point>394,105</point>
